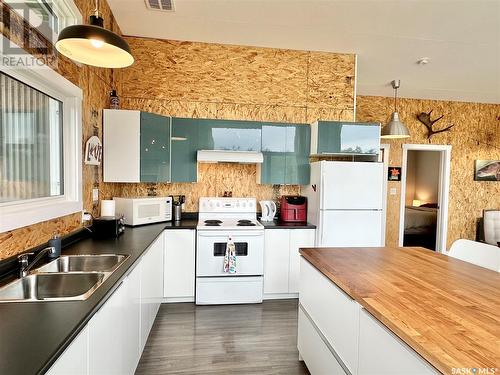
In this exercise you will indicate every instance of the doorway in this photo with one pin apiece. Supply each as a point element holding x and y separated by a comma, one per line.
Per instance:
<point>424,196</point>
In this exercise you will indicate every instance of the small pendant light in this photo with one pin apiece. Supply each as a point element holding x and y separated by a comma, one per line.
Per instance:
<point>395,128</point>
<point>94,45</point>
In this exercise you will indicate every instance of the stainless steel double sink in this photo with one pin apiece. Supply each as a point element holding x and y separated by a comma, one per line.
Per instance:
<point>67,278</point>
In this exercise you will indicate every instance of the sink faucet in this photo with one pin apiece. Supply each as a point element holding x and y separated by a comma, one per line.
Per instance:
<point>26,266</point>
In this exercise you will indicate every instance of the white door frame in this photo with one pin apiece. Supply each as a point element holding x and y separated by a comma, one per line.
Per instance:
<point>387,148</point>
<point>443,195</point>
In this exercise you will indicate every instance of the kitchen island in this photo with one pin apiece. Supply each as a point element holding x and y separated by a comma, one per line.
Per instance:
<point>397,310</point>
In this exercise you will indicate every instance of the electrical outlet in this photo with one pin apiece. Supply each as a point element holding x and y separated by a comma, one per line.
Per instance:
<point>95,194</point>
<point>393,191</point>
<point>86,216</point>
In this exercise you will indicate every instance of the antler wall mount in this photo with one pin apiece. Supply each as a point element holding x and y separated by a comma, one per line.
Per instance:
<point>425,118</point>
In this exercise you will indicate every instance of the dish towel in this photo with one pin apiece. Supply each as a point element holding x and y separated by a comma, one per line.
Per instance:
<point>230,257</point>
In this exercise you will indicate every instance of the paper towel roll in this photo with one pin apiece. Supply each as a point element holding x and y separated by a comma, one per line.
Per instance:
<point>107,208</point>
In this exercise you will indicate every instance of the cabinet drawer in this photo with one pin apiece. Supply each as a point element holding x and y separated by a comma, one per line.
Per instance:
<point>334,313</point>
<point>381,352</point>
<point>313,350</point>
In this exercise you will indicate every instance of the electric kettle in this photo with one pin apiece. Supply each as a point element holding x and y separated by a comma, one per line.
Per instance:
<point>268,209</point>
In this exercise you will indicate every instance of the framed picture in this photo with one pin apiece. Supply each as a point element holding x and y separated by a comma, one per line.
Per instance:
<point>394,174</point>
<point>93,151</point>
<point>487,170</point>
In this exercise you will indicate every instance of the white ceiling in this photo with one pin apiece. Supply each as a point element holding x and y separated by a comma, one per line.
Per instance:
<point>461,38</point>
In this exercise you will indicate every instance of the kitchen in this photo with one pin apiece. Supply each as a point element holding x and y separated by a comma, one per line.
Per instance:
<point>243,125</point>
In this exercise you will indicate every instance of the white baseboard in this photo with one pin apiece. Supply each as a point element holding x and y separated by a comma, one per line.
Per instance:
<point>177,299</point>
<point>280,295</point>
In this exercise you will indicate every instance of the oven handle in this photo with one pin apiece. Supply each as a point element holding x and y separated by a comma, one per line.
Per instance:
<point>232,235</point>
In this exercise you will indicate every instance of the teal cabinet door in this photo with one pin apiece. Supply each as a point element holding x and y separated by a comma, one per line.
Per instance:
<point>298,144</point>
<point>340,137</point>
<point>230,135</point>
<point>184,145</point>
<point>155,148</point>
<point>272,170</point>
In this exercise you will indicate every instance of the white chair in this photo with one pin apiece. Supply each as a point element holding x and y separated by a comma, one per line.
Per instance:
<point>491,225</point>
<point>478,253</point>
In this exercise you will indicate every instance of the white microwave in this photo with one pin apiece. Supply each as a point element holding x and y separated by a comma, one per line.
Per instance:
<point>139,211</point>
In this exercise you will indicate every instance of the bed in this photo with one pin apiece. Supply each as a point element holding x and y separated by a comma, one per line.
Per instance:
<point>420,226</point>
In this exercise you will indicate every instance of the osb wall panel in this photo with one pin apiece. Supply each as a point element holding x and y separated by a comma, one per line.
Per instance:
<point>476,135</point>
<point>200,80</point>
<point>96,84</point>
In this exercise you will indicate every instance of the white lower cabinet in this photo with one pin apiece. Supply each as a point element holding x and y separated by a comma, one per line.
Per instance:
<point>75,359</point>
<point>180,263</point>
<point>336,335</point>
<point>282,260</point>
<point>113,340</point>
<point>381,352</point>
<point>151,287</point>
<point>334,313</point>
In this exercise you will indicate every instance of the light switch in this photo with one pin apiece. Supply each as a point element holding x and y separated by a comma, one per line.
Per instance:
<point>95,194</point>
<point>393,191</point>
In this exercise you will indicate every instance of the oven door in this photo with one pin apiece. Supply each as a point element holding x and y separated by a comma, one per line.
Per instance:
<point>211,248</point>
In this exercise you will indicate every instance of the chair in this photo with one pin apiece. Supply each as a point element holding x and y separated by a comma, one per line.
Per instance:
<point>491,226</point>
<point>480,254</point>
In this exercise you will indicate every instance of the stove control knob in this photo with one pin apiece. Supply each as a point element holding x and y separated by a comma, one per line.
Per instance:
<point>211,204</point>
<point>243,204</point>
<point>237,204</point>
<point>250,204</point>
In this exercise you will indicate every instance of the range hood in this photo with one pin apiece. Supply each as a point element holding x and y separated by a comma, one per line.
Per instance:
<point>224,156</point>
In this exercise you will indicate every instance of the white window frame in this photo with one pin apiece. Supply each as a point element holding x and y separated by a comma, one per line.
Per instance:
<point>22,213</point>
<point>65,10</point>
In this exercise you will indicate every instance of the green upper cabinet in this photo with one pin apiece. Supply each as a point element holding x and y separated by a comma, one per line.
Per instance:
<point>155,148</point>
<point>286,149</point>
<point>272,170</point>
<point>229,135</point>
<point>342,137</point>
<point>184,146</point>
<point>298,141</point>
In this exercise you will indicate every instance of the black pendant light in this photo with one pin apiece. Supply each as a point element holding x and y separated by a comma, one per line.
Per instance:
<point>94,45</point>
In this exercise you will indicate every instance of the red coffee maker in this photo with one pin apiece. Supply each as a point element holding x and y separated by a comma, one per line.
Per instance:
<point>293,209</point>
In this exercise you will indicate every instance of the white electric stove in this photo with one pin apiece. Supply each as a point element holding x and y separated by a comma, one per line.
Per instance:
<point>221,220</point>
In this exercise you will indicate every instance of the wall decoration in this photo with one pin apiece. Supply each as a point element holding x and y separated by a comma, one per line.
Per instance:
<point>425,118</point>
<point>93,151</point>
<point>394,174</point>
<point>487,170</point>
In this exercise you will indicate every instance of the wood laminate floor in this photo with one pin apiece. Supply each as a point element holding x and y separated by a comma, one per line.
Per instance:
<point>227,339</point>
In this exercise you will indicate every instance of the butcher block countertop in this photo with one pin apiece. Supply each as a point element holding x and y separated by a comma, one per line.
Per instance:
<point>447,310</point>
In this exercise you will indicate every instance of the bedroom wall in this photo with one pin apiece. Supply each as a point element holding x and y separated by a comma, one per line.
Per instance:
<point>476,135</point>
<point>426,176</point>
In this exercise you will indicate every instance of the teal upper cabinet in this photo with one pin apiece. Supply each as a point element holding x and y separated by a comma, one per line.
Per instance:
<point>273,168</point>
<point>341,138</point>
<point>298,141</point>
<point>184,145</point>
<point>155,148</point>
<point>286,149</point>
<point>136,146</point>
<point>229,135</point>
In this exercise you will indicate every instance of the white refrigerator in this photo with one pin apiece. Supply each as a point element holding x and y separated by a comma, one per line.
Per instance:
<point>344,201</point>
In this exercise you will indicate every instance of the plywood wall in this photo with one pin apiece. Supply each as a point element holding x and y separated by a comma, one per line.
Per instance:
<point>200,80</point>
<point>96,84</point>
<point>476,135</point>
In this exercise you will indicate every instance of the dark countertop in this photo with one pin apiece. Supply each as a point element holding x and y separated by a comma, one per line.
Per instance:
<point>183,224</point>
<point>33,335</point>
<point>276,224</point>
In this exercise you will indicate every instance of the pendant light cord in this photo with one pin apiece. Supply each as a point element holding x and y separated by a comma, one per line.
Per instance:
<point>395,99</point>
<point>96,10</point>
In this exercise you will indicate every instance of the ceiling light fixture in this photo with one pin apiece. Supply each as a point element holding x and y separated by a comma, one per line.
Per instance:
<point>395,128</point>
<point>94,45</point>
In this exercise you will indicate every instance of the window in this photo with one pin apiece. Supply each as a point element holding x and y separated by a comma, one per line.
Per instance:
<point>31,143</point>
<point>40,146</point>
<point>48,16</point>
